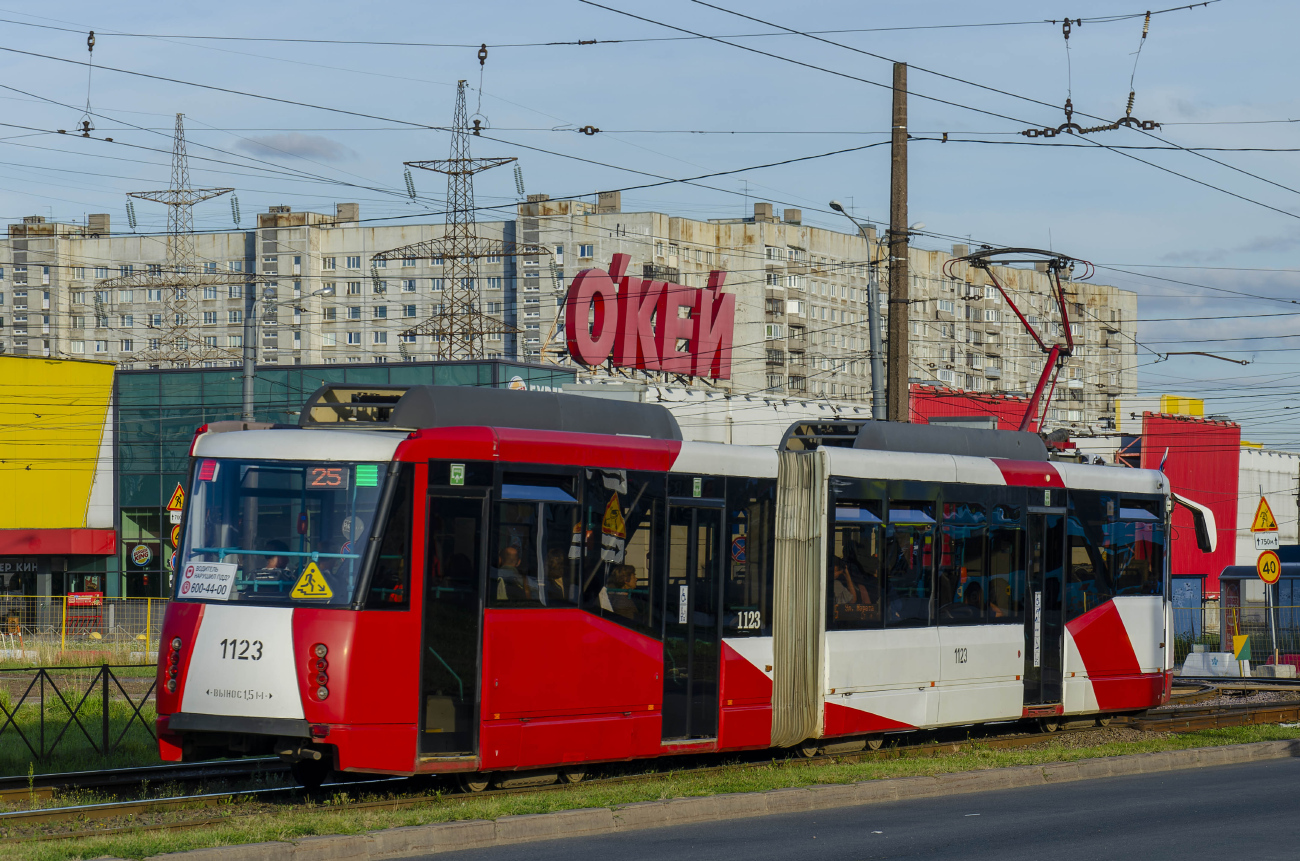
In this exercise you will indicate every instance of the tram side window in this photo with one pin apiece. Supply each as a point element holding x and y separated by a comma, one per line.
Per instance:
<point>747,596</point>
<point>1089,553</point>
<point>1006,581</point>
<point>1137,539</point>
<point>909,563</point>
<point>853,575</point>
<point>962,588</point>
<point>536,544</point>
<point>390,582</point>
<point>617,579</point>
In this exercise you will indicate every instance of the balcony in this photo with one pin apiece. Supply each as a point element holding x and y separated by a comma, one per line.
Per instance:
<point>993,373</point>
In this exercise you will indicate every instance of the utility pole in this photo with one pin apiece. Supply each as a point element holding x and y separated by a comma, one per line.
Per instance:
<point>898,275</point>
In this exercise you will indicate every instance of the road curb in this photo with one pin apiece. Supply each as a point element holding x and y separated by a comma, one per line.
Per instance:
<point>480,833</point>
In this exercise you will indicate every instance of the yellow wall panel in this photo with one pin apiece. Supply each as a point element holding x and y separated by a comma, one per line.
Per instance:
<point>53,417</point>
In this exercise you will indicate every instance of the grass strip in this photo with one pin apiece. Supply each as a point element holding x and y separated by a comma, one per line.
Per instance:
<point>306,820</point>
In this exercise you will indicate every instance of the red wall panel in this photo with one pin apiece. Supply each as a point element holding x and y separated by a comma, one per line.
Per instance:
<point>927,401</point>
<point>1202,459</point>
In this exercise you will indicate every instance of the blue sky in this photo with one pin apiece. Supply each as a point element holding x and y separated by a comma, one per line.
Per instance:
<point>1215,76</point>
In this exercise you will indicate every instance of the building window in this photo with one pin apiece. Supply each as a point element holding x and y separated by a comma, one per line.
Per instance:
<point>354,288</point>
<point>379,287</point>
<point>354,312</point>
<point>127,345</point>
<point>380,337</point>
<point>100,271</point>
<point>235,316</point>
<point>331,313</point>
<point>78,346</point>
<point>408,310</point>
<point>235,340</point>
<point>101,346</point>
<point>209,318</point>
<point>126,321</point>
<point>154,295</point>
<point>408,286</point>
<point>234,266</point>
<point>494,283</point>
<point>327,263</point>
<point>379,312</point>
<point>124,295</point>
<point>378,262</point>
<point>236,291</point>
<point>586,251</point>
<point>210,340</point>
<point>435,283</point>
<point>354,337</point>
<point>354,262</point>
<point>78,273</point>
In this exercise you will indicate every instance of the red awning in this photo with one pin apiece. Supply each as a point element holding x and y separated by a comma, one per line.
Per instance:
<point>58,542</point>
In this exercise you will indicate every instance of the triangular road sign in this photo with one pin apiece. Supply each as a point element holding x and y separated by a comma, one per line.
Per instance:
<point>177,501</point>
<point>312,584</point>
<point>1264,520</point>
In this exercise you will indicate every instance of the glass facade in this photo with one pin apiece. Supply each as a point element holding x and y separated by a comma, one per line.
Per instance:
<point>157,411</point>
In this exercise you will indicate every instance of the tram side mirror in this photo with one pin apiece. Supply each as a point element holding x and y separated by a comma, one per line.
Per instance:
<point>1207,534</point>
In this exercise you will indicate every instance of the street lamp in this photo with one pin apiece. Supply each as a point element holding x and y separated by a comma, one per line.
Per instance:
<point>251,331</point>
<point>878,406</point>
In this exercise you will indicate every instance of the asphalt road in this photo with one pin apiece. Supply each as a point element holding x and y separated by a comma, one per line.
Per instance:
<point>1240,811</point>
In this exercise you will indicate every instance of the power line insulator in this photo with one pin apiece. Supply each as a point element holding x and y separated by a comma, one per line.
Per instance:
<point>482,54</point>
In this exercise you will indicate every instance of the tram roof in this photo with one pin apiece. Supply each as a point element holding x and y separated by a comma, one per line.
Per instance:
<point>408,408</point>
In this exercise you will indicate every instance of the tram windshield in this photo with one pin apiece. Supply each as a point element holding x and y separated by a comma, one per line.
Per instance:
<point>279,532</point>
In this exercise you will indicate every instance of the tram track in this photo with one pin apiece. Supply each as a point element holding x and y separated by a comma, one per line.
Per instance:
<point>1182,719</point>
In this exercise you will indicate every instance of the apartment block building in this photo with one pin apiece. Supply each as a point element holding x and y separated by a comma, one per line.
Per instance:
<point>300,289</point>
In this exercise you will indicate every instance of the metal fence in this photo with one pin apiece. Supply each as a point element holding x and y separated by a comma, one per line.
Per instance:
<point>62,616</point>
<point>49,708</point>
<point>1280,639</point>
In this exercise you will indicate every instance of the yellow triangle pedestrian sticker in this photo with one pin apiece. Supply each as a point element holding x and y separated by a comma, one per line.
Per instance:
<point>1264,520</point>
<point>177,502</point>
<point>612,524</point>
<point>312,585</point>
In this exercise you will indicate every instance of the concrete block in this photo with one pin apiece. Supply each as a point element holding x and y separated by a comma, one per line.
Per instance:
<point>642,814</point>
<point>827,796</point>
<point>788,800</point>
<point>337,847</point>
<point>875,791</point>
<point>704,808</point>
<point>565,823</point>
<point>1059,772</point>
<point>253,851</point>
<point>1210,664</point>
<point>741,804</point>
<point>1093,768</point>
<point>438,837</point>
<point>973,781</point>
<point>916,787</point>
<point>1274,671</point>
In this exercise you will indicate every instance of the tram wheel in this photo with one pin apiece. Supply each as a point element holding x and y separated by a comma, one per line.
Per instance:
<point>1048,724</point>
<point>572,776</point>
<point>310,773</point>
<point>809,749</point>
<point>474,782</point>
<point>874,742</point>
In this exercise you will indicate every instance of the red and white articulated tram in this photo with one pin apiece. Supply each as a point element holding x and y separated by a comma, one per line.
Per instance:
<point>437,579</point>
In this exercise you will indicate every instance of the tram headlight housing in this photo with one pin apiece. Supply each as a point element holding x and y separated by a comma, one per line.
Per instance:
<point>176,644</point>
<point>320,650</point>
<point>171,686</point>
<point>322,692</point>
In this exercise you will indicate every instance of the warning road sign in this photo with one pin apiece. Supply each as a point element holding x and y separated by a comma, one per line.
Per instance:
<point>312,584</point>
<point>1241,647</point>
<point>177,502</point>
<point>1264,520</point>
<point>1268,567</point>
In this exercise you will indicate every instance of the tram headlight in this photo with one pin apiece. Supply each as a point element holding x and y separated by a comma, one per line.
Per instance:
<point>320,650</point>
<point>322,679</point>
<point>322,692</point>
<point>176,644</point>
<point>171,686</point>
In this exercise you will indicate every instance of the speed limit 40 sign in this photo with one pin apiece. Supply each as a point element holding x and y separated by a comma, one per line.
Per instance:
<point>1268,567</point>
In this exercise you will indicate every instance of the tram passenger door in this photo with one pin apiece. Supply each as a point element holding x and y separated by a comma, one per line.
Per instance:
<point>450,653</point>
<point>1044,631</point>
<point>691,623</point>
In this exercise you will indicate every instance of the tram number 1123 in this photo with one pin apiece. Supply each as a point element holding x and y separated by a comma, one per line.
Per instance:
<point>959,654</point>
